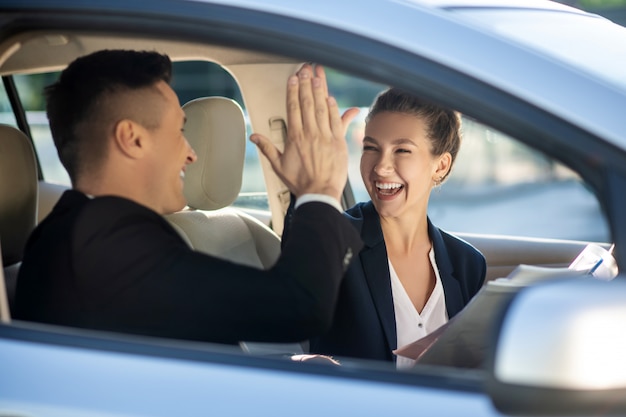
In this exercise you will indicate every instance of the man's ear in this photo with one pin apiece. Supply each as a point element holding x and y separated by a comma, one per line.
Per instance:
<point>130,138</point>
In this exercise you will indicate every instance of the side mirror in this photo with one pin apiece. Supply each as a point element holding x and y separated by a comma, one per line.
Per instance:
<point>560,349</point>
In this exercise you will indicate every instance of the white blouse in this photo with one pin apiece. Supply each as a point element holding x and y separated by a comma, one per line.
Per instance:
<point>410,324</point>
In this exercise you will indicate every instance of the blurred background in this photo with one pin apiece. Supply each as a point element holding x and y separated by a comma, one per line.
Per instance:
<point>614,10</point>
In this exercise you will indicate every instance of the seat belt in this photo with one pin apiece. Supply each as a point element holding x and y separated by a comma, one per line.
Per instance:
<point>278,136</point>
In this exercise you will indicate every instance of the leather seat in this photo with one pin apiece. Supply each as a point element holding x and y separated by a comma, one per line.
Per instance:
<point>216,130</point>
<point>18,203</point>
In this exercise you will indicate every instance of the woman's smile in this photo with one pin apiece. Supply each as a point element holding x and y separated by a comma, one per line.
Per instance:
<point>387,190</point>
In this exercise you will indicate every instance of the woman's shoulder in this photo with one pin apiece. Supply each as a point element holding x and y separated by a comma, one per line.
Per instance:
<point>459,246</point>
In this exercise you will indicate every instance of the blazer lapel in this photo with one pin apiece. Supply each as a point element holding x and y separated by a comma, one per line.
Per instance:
<point>451,288</point>
<point>376,271</point>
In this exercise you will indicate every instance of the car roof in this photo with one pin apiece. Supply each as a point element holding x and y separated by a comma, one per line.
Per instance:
<point>520,4</point>
<point>283,5</point>
<point>449,33</point>
<point>583,80</point>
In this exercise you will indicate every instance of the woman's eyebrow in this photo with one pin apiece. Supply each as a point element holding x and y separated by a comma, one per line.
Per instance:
<point>399,141</point>
<point>370,139</point>
<point>404,141</point>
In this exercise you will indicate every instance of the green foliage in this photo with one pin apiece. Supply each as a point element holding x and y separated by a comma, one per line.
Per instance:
<point>598,4</point>
<point>351,91</point>
<point>594,5</point>
<point>30,88</point>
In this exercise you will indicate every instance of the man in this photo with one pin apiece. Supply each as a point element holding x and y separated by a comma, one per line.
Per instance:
<point>106,259</point>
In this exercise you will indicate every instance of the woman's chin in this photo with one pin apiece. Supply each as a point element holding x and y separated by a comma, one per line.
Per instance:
<point>385,208</point>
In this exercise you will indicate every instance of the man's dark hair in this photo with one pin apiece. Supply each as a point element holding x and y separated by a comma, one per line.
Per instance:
<point>78,103</point>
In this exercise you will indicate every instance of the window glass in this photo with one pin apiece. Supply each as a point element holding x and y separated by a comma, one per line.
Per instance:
<point>30,89</point>
<point>195,79</point>
<point>201,79</point>
<point>497,185</point>
<point>6,114</point>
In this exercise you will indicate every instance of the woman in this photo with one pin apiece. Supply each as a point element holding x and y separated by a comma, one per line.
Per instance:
<point>411,277</point>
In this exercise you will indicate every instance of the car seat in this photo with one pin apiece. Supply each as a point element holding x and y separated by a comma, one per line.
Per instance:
<point>18,203</point>
<point>216,129</point>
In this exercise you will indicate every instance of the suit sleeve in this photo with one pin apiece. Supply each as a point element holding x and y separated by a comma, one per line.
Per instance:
<point>288,218</point>
<point>152,283</point>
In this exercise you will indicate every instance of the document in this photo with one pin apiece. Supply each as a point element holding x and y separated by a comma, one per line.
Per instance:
<point>463,341</point>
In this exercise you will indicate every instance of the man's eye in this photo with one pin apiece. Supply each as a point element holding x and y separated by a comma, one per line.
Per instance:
<point>368,148</point>
<point>401,150</point>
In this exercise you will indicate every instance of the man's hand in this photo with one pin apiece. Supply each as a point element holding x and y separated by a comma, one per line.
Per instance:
<point>315,159</point>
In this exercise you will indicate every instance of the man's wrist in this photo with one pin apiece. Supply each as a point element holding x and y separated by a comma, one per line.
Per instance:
<point>321,198</point>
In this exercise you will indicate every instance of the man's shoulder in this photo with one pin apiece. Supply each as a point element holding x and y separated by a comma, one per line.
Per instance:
<point>80,215</point>
<point>97,227</point>
<point>113,206</point>
<point>76,201</point>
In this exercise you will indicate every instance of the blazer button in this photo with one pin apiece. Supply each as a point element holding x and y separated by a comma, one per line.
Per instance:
<point>347,258</point>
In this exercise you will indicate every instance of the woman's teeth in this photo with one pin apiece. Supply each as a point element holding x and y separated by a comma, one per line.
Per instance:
<point>388,188</point>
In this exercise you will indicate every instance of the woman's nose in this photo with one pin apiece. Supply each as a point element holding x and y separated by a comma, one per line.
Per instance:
<point>383,166</point>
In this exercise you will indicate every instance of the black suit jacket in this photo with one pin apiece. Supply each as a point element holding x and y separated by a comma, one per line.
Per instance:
<point>364,324</point>
<point>108,263</point>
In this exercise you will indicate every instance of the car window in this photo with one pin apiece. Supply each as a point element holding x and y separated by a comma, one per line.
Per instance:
<point>519,192</point>
<point>195,79</point>
<point>191,80</point>
<point>29,88</point>
<point>482,195</point>
<point>6,114</point>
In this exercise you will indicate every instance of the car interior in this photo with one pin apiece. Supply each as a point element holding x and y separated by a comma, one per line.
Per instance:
<point>216,129</point>
<point>18,205</point>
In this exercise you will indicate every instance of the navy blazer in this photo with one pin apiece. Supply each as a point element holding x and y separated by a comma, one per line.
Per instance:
<point>364,322</point>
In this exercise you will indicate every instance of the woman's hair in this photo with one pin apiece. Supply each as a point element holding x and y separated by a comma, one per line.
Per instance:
<point>443,125</point>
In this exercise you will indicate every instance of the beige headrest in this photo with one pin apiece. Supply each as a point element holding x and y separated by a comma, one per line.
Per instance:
<point>216,130</point>
<point>18,193</point>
